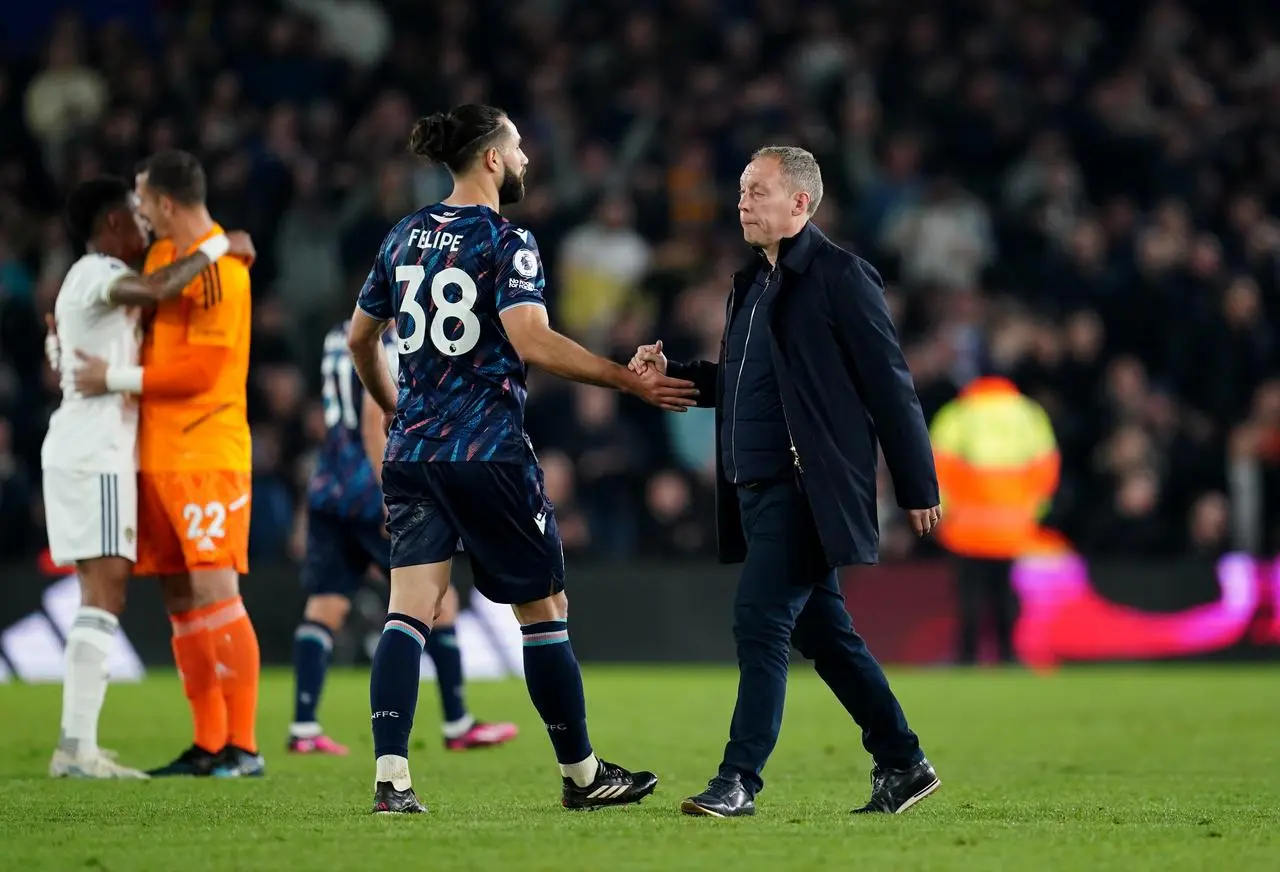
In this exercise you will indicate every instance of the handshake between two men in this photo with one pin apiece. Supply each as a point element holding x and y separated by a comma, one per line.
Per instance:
<point>649,360</point>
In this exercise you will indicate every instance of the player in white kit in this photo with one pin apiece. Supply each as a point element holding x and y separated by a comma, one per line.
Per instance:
<point>89,456</point>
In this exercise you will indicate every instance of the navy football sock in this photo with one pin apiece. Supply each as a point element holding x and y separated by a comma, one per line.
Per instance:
<point>442,647</point>
<point>393,684</point>
<point>555,685</point>
<point>312,645</point>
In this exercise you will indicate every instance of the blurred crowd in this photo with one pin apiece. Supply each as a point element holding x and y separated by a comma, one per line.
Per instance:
<point>1080,195</point>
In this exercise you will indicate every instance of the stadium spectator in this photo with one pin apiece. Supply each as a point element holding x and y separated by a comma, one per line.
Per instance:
<point>1101,178</point>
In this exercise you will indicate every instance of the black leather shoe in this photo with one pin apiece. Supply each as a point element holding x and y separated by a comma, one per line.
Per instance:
<point>724,797</point>
<point>893,791</point>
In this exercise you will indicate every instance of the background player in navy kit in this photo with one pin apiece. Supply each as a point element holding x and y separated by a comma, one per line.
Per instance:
<point>345,534</point>
<point>465,287</point>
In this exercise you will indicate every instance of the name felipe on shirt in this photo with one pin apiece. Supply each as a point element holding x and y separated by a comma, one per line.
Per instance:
<point>440,240</point>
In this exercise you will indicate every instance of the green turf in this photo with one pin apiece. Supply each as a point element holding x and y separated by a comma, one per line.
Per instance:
<point>1100,769</point>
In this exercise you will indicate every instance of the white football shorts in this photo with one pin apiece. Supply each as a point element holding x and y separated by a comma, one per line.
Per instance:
<point>91,514</point>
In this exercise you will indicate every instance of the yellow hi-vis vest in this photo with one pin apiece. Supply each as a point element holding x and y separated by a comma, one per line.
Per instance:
<point>998,467</point>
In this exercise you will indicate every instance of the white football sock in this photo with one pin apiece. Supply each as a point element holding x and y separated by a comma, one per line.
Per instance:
<point>309,730</point>
<point>457,729</point>
<point>394,769</point>
<point>84,686</point>
<point>583,772</point>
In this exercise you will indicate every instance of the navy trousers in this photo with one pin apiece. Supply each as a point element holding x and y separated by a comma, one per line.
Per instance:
<point>787,595</point>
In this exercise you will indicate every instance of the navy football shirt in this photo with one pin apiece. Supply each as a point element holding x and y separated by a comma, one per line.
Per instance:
<point>445,273</point>
<point>343,483</point>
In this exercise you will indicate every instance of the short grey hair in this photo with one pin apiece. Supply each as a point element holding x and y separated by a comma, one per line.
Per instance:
<point>799,168</point>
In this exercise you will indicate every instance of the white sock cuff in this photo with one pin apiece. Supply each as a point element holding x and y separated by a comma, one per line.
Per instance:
<point>394,769</point>
<point>96,627</point>
<point>97,614</point>
<point>583,772</point>
<point>457,729</point>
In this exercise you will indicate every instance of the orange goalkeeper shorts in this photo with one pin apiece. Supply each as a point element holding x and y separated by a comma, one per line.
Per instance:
<point>193,520</point>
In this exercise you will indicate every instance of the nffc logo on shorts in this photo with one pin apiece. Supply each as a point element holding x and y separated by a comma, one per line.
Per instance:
<point>377,715</point>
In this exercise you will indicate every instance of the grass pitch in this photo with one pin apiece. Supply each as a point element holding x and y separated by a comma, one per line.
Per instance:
<point>1173,768</point>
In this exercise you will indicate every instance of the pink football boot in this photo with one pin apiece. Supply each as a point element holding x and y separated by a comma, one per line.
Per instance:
<point>321,744</point>
<point>482,735</point>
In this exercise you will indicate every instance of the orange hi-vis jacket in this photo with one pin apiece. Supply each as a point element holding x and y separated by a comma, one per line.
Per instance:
<point>998,467</point>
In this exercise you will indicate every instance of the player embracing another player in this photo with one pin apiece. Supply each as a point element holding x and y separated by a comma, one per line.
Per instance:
<point>194,459</point>
<point>465,288</point>
<point>89,456</point>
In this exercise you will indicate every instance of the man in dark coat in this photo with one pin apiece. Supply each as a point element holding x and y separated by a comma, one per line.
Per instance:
<point>810,376</point>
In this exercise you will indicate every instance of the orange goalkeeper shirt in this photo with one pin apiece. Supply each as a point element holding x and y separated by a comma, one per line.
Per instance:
<point>208,430</point>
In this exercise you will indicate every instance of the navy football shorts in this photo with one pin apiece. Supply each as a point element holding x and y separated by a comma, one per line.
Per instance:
<point>499,511</point>
<point>339,552</point>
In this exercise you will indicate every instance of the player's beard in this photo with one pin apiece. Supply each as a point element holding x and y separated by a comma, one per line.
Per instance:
<point>512,188</point>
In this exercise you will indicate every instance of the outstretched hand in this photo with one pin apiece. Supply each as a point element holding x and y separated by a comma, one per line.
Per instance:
<point>649,356</point>
<point>668,394</point>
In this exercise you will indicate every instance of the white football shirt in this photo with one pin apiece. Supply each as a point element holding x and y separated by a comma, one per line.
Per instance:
<point>94,434</point>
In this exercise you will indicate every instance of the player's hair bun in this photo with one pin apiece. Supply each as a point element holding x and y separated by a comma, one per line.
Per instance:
<point>431,137</point>
<point>454,138</point>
